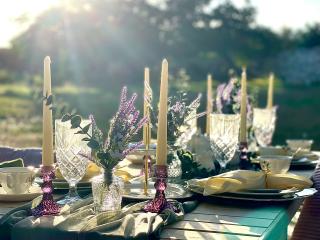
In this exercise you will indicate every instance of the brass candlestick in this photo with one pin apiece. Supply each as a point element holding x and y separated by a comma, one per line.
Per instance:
<point>146,158</point>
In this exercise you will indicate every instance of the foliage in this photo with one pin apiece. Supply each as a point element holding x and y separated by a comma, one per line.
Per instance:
<point>110,149</point>
<point>190,168</point>
<point>300,64</point>
<point>192,37</point>
<point>179,113</point>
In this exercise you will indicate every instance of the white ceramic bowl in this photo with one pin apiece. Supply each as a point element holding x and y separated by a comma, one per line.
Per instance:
<point>295,144</point>
<point>273,151</point>
<point>275,164</point>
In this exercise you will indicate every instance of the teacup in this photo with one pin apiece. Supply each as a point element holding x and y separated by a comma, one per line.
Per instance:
<point>304,145</point>
<point>275,164</point>
<point>16,180</point>
<point>273,151</point>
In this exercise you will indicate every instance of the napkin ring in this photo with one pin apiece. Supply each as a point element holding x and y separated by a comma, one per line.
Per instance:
<point>160,203</point>
<point>47,206</point>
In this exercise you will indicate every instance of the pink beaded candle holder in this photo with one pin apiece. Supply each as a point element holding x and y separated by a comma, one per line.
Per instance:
<point>47,206</point>
<point>159,203</point>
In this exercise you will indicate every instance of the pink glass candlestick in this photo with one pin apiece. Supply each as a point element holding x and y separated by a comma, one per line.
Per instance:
<point>159,203</point>
<point>244,160</point>
<point>47,206</point>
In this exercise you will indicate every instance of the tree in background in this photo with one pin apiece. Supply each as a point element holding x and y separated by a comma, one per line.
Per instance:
<point>99,46</point>
<point>108,42</point>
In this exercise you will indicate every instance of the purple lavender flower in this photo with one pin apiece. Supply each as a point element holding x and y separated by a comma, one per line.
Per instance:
<point>113,147</point>
<point>228,100</point>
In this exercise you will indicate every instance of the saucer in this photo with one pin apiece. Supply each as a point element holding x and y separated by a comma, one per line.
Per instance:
<point>34,192</point>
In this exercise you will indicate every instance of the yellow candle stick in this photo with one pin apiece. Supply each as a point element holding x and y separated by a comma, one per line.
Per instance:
<point>243,107</point>
<point>209,103</point>
<point>47,139</point>
<point>161,153</point>
<point>270,91</point>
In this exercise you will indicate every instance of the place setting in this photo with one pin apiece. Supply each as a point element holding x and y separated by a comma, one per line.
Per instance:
<point>17,184</point>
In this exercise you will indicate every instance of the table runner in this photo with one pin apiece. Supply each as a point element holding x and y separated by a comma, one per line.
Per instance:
<point>80,222</point>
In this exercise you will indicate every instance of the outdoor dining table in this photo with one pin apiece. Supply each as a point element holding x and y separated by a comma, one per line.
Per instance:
<point>225,219</point>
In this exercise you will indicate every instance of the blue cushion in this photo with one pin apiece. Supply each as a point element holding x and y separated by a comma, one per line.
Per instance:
<point>30,156</point>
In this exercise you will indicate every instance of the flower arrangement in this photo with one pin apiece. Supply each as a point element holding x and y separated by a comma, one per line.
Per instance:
<point>191,168</point>
<point>228,99</point>
<point>108,150</point>
<point>179,114</point>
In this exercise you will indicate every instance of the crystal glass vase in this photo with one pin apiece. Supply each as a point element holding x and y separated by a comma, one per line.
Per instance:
<point>264,123</point>
<point>107,193</point>
<point>188,130</point>
<point>70,154</point>
<point>224,136</point>
<point>174,164</point>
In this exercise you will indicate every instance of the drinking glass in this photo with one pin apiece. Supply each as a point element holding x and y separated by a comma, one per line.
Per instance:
<point>224,136</point>
<point>264,123</point>
<point>70,151</point>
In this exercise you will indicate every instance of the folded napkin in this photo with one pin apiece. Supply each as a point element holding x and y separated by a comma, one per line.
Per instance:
<point>239,180</point>
<point>79,221</point>
<point>13,163</point>
<point>94,170</point>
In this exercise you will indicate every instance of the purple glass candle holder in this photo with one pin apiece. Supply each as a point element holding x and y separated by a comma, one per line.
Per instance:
<point>159,203</point>
<point>244,160</point>
<point>47,206</point>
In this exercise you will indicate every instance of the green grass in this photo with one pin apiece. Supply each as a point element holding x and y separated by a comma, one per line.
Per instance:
<point>20,117</point>
<point>13,107</point>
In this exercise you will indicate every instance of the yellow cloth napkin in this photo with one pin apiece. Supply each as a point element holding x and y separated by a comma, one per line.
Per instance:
<point>238,180</point>
<point>126,176</point>
<point>94,170</point>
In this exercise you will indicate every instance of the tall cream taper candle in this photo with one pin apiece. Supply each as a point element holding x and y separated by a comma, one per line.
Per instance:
<point>162,118</point>
<point>270,91</point>
<point>47,140</point>
<point>209,103</point>
<point>243,107</point>
<point>146,109</point>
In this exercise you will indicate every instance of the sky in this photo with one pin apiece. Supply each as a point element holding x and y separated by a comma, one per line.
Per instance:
<point>275,14</point>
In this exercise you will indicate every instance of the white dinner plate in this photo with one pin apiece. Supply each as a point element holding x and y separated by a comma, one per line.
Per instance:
<point>34,192</point>
<point>135,190</point>
<point>61,184</point>
<point>264,195</point>
<point>304,162</point>
<point>137,157</point>
<point>301,194</point>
